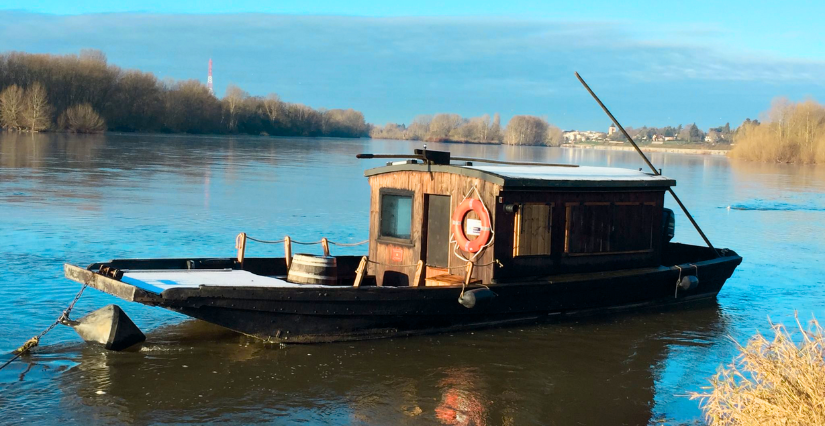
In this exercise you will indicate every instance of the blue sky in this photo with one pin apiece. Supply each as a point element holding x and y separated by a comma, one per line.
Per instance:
<point>653,63</point>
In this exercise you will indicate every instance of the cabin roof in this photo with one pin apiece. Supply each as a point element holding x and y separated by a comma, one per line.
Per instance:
<point>540,176</point>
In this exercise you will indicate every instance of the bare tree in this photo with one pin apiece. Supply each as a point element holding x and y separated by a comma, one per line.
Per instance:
<point>442,124</point>
<point>419,127</point>
<point>36,111</point>
<point>11,107</point>
<point>555,136</point>
<point>495,128</point>
<point>483,127</point>
<point>526,130</point>
<point>232,100</point>
<point>272,106</point>
<point>93,55</point>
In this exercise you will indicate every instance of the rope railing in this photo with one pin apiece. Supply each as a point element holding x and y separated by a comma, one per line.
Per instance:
<point>307,243</point>
<point>240,244</point>
<point>242,238</point>
<point>265,241</point>
<point>360,243</point>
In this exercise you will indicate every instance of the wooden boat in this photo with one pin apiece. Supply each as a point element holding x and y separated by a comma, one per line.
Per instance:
<point>452,246</point>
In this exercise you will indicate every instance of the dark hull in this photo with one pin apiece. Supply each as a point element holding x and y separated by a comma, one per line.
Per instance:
<point>311,315</point>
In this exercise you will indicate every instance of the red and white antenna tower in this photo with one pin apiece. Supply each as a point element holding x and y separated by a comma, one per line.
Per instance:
<point>209,78</point>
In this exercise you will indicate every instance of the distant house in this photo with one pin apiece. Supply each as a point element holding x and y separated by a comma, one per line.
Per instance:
<point>573,136</point>
<point>713,136</point>
<point>670,138</point>
<point>580,136</point>
<point>658,140</point>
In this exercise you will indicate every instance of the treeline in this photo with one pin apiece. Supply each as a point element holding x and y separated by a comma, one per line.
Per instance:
<point>690,133</point>
<point>791,133</point>
<point>84,93</point>
<point>521,130</point>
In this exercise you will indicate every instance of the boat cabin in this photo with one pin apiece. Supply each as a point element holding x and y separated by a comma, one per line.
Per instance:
<point>540,220</point>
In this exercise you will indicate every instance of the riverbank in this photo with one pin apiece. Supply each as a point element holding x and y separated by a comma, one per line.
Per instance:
<point>672,150</point>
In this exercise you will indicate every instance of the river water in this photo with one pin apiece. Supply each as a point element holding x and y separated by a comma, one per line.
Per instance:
<point>81,199</point>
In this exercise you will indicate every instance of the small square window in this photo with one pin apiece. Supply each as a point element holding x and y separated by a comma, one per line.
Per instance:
<point>396,216</point>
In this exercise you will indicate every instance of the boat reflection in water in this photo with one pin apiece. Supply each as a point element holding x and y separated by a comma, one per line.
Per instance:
<point>195,372</point>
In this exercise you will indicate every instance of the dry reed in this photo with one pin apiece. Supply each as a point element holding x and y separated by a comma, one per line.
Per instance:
<point>771,382</point>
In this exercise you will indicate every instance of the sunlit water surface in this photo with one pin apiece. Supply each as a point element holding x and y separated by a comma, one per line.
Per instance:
<point>82,199</point>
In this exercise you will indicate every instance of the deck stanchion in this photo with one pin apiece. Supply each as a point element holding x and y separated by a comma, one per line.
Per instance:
<point>288,252</point>
<point>240,244</point>
<point>325,245</point>
<point>361,271</point>
<point>419,271</point>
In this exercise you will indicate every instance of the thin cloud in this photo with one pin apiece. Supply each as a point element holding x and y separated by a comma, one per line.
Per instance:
<point>394,68</point>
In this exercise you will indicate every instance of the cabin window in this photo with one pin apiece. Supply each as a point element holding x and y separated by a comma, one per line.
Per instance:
<point>606,228</point>
<point>532,230</point>
<point>396,215</point>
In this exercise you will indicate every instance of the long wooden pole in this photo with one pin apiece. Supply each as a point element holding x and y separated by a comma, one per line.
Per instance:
<point>649,164</point>
<point>471,159</point>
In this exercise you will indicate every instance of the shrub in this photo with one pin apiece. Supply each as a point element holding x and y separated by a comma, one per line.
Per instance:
<point>81,119</point>
<point>792,133</point>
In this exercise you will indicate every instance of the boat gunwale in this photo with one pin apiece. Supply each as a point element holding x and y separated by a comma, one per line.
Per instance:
<point>131,292</point>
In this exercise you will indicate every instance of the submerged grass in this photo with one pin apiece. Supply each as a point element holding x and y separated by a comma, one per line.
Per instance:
<point>771,382</point>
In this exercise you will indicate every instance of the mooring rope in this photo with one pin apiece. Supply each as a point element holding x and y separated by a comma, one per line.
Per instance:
<point>34,341</point>
<point>679,280</point>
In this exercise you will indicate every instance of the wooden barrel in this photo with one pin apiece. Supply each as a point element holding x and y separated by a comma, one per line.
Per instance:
<point>310,269</point>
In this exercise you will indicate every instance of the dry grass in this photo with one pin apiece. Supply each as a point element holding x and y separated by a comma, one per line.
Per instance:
<point>771,382</point>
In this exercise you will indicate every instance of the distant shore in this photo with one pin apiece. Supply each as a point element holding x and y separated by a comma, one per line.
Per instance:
<point>673,150</point>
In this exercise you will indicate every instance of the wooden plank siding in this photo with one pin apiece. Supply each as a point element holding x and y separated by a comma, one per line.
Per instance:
<point>421,183</point>
<point>591,230</point>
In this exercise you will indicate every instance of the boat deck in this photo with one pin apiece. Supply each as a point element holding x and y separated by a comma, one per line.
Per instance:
<point>158,280</point>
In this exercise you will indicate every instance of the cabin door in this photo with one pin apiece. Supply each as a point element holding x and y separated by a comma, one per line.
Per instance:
<point>437,228</point>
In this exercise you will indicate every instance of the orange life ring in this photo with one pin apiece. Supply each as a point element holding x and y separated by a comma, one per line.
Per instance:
<point>461,239</point>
